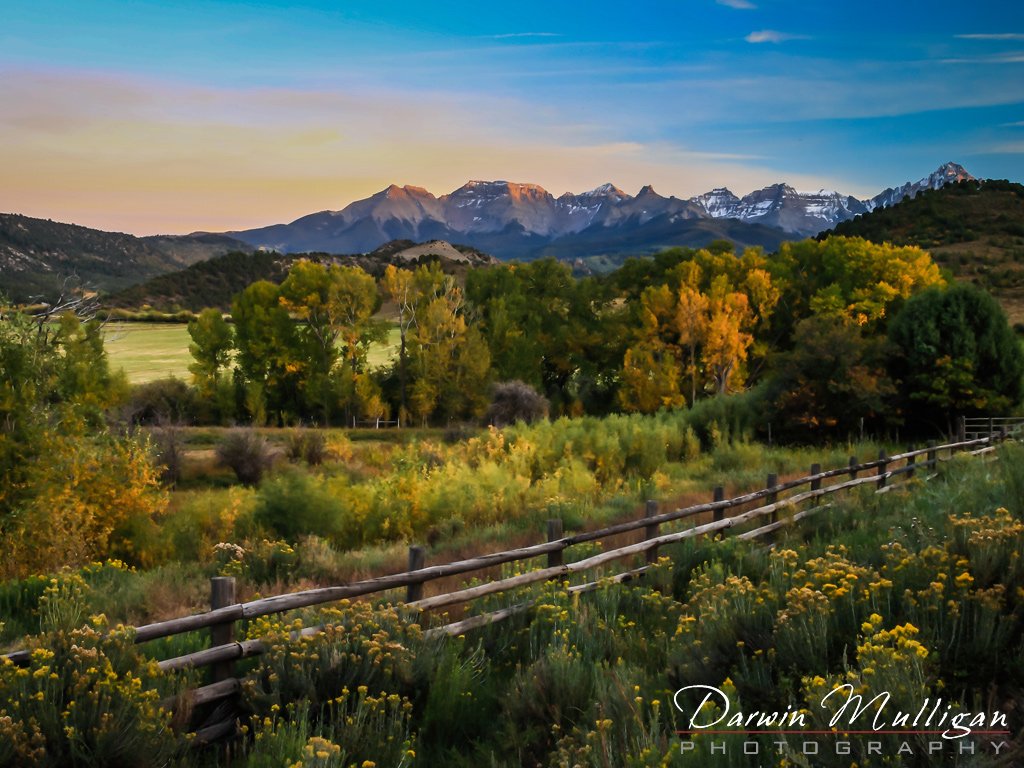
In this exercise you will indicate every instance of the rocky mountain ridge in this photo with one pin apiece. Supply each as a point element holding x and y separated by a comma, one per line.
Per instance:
<point>519,220</point>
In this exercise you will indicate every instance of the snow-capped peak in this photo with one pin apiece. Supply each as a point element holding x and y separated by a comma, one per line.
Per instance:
<point>606,190</point>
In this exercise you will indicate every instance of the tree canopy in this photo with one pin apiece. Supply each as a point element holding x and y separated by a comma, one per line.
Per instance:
<point>70,489</point>
<point>955,354</point>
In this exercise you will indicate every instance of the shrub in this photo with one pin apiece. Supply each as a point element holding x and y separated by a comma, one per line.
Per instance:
<point>360,648</point>
<point>200,520</point>
<point>293,503</point>
<point>457,433</point>
<point>514,401</point>
<point>247,454</point>
<point>721,419</point>
<point>92,498</point>
<point>169,448</point>
<point>168,400</point>
<point>260,563</point>
<point>307,445</point>
<point>87,698</point>
<point>349,729</point>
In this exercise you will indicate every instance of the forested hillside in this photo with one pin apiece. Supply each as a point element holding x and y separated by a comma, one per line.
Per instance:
<point>214,282</point>
<point>39,258</point>
<point>973,228</point>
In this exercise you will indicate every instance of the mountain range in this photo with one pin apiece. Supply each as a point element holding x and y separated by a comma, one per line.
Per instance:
<point>594,230</point>
<point>515,220</point>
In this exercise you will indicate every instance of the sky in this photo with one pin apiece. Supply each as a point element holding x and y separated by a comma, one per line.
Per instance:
<point>148,117</point>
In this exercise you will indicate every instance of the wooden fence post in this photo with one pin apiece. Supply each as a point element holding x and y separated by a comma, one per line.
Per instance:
<point>991,428</point>
<point>771,481</point>
<point>853,463</point>
<point>932,455</point>
<point>815,470</point>
<point>651,531</point>
<point>719,513</point>
<point>554,534</point>
<point>911,462</point>
<point>417,559</point>
<point>883,458</point>
<point>222,594</point>
<point>962,429</point>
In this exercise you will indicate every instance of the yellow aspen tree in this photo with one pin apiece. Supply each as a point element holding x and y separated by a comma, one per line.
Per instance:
<point>650,379</point>
<point>450,360</point>
<point>727,342</point>
<point>651,368</point>
<point>691,323</point>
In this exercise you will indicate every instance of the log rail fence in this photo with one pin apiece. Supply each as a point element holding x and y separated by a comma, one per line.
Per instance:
<point>748,508</point>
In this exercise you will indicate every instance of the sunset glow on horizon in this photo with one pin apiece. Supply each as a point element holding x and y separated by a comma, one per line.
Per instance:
<point>169,118</point>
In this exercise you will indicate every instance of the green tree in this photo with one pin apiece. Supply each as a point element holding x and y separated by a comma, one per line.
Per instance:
<point>955,355</point>
<point>211,348</point>
<point>272,363</point>
<point>334,306</point>
<point>449,359</point>
<point>400,287</point>
<point>54,376</point>
<point>543,327</point>
<point>70,490</point>
<point>832,382</point>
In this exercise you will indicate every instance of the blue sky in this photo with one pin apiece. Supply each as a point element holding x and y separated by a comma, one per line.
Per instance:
<point>159,117</point>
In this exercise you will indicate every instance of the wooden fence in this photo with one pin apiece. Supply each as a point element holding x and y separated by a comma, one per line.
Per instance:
<point>762,509</point>
<point>973,427</point>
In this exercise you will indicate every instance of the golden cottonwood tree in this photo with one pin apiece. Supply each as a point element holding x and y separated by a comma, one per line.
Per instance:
<point>727,340</point>
<point>449,360</point>
<point>650,379</point>
<point>852,278</point>
<point>691,324</point>
<point>701,323</point>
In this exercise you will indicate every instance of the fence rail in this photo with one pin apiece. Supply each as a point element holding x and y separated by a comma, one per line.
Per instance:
<point>766,504</point>
<point>973,427</point>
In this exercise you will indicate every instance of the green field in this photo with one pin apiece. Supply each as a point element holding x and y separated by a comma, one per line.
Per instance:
<point>150,351</point>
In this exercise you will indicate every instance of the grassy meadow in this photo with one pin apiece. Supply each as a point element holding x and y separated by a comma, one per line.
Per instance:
<point>147,351</point>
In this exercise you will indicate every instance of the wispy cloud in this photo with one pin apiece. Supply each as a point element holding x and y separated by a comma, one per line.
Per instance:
<point>1002,58</point>
<point>1018,124</point>
<point>1007,148</point>
<point>508,35</point>
<point>743,5</point>
<point>993,36</point>
<point>772,36</point>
